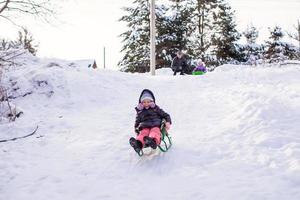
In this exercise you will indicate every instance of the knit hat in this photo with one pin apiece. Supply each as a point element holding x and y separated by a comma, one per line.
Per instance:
<point>146,95</point>
<point>200,62</point>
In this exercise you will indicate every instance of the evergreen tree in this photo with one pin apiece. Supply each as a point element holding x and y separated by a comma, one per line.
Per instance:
<point>251,52</point>
<point>251,34</point>
<point>180,25</point>
<point>167,39</point>
<point>276,49</point>
<point>174,31</point>
<point>199,23</point>
<point>202,26</point>
<point>137,38</point>
<point>225,34</point>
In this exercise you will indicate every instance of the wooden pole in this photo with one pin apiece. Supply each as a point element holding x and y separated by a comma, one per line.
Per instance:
<point>152,37</point>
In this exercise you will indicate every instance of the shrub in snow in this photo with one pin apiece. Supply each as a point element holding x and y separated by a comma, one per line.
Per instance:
<point>12,54</point>
<point>26,40</point>
<point>8,111</point>
<point>9,52</point>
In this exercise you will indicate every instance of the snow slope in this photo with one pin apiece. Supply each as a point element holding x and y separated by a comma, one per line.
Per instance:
<point>236,135</point>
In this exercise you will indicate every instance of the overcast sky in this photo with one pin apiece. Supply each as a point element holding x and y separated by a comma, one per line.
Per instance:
<point>86,26</point>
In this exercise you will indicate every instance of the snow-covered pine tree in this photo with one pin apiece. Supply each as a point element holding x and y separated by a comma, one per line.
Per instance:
<point>137,38</point>
<point>251,52</point>
<point>180,24</point>
<point>251,34</point>
<point>173,31</point>
<point>202,23</point>
<point>166,40</point>
<point>225,34</point>
<point>276,49</point>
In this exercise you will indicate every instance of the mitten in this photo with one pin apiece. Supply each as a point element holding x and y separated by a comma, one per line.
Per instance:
<point>168,126</point>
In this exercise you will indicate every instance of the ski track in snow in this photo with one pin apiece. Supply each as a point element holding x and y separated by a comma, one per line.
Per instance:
<point>235,136</point>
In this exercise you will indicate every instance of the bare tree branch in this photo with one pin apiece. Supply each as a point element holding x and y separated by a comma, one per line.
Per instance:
<point>7,56</point>
<point>39,8</point>
<point>11,21</point>
<point>4,6</point>
<point>16,138</point>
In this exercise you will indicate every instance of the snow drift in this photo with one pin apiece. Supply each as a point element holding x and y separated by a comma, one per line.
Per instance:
<point>235,135</point>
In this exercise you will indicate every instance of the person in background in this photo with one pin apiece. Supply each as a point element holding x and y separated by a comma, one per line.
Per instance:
<point>179,63</point>
<point>200,68</point>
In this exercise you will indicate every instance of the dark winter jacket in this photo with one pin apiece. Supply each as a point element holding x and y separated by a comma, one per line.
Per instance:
<point>179,64</point>
<point>151,117</point>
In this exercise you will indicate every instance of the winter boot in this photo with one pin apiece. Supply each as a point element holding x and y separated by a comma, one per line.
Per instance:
<point>150,142</point>
<point>136,144</point>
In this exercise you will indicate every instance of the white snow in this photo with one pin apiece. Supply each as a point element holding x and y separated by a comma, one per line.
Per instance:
<point>236,135</point>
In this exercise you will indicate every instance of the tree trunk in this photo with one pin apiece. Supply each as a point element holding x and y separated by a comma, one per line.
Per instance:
<point>201,11</point>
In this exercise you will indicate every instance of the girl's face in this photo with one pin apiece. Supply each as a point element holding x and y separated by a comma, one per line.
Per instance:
<point>146,103</point>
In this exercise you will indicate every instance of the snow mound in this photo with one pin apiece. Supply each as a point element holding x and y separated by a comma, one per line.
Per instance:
<point>164,72</point>
<point>235,133</point>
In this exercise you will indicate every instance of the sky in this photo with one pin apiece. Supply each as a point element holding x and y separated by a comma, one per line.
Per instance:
<point>84,27</point>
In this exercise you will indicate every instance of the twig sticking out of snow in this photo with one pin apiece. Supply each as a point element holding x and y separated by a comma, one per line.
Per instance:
<point>17,138</point>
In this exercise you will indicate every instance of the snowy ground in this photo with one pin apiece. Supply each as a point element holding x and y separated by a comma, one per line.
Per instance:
<point>236,135</point>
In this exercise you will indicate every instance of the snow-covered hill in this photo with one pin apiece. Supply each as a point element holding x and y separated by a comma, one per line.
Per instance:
<point>236,135</point>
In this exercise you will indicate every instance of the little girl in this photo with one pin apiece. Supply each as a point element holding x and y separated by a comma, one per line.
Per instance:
<point>148,122</point>
<point>200,69</point>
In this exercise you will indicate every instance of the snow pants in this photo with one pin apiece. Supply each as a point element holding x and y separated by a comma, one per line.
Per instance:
<point>151,132</point>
